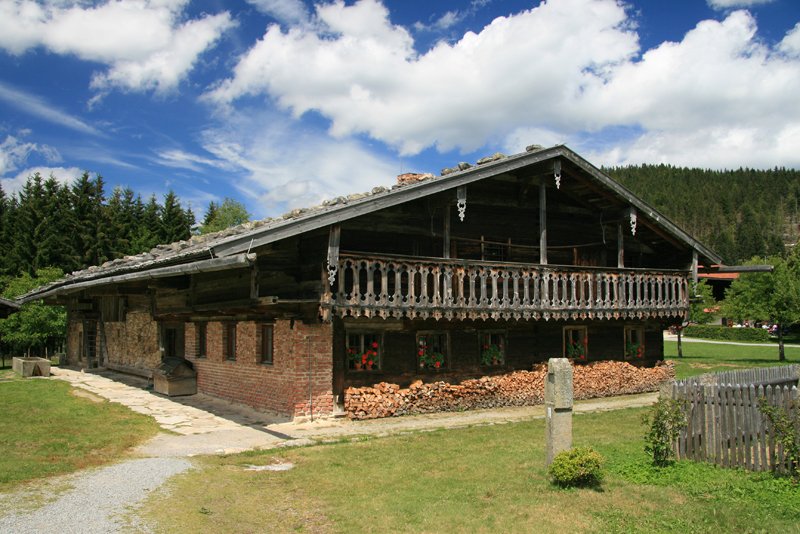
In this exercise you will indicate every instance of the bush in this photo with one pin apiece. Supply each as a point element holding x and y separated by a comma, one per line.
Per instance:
<point>724,333</point>
<point>664,421</point>
<point>786,428</point>
<point>579,466</point>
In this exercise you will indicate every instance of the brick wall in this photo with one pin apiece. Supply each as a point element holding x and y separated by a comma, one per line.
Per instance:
<point>282,386</point>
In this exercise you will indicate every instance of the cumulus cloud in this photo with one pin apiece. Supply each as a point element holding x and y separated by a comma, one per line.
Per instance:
<point>790,45</point>
<point>283,166</point>
<point>718,98</point>
<point>143,42</point>
<point>361,71</point>
<point>532,74</point>
<point>731,4</point>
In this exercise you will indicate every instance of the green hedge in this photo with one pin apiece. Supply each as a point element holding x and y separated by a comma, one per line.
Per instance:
<point>758,335</point>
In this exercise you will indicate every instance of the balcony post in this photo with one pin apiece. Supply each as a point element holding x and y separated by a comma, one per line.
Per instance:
<point>542,223</point>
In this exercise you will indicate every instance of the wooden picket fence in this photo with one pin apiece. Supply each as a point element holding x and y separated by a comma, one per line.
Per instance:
<point>725,425</point>
<point>783,375</point>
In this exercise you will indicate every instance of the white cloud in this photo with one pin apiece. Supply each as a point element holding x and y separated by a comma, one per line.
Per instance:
<point>732,4</point>
<point>164,69</point>
<point>361,71</point>
<point>186,160</point>
<point>143,42</point>
<point>283,166</point>
<point>709,147</point>
<point>39,108</point>
<point>14,153</point>
<point>718,74</point>
<point>719,99</point>
<point>444,22</point>
<point>286,11</point>
<point>65,175</point>
<point>532,73</point>
<point>790,45</point>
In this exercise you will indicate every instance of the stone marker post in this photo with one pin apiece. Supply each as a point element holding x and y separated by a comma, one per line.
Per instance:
<point>558,407</point>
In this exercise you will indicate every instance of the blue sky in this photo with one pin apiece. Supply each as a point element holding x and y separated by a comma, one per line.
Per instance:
<point>282,103</point>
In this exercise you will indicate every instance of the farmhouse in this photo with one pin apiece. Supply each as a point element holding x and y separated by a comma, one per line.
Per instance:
<point>485,269</point>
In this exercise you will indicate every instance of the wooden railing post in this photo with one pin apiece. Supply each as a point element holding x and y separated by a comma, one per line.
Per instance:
<point>374,286</point>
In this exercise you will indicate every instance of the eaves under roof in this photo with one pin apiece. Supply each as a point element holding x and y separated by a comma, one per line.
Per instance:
<point>243,238</point>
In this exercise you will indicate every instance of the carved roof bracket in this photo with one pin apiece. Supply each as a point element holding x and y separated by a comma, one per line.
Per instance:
<point>461,203</point>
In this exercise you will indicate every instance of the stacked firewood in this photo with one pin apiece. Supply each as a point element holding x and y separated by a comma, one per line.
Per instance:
<point>518,388</point>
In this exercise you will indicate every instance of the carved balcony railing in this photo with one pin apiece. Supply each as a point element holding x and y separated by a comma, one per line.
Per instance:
<point>380,286</point>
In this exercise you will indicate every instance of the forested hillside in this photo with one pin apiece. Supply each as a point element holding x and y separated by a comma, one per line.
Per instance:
<point>49,224</point>
<point>739,214</point>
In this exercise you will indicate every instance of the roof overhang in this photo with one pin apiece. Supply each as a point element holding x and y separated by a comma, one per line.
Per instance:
<point>338,214</point>
<point>203,266</point>
<point>238,246</point>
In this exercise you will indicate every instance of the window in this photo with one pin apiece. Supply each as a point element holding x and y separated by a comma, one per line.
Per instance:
<point>576,343</point>
<point>363,351</point>
<point>634,342</point>
<point>432,350</point>
<point>492,348</point>
<point>200,340</point>
<point>229,341</point>
<point>265,343</point>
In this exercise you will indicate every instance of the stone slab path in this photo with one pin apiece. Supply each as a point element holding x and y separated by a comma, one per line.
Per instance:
<point>200,424</point>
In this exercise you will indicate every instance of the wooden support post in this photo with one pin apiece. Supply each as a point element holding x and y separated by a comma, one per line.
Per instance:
<point>446,233</point>
<point>333,252</point>
<point>620,247</point>
<point>254,281</point>
<point>694,268</point>
<point>542,223</point>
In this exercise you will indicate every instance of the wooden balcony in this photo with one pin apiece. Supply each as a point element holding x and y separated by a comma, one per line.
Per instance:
<point>381,286</point>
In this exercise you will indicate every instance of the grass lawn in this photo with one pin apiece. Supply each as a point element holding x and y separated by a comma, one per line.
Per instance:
<point>46,430</point>
<point>699,358</point>
<point>480,479</point>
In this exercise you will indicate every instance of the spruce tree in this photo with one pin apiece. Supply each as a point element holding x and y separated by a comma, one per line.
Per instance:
<point>55,248</point>
<point>174,223</point>
<point>27,228</point>
<point>149,228</point>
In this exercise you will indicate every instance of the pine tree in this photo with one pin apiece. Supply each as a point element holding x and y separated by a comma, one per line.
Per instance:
<point>54,248</point>
<point>91,222</point>
<point>174,223</point>
<point>27,228</point>
<point>149,230</point>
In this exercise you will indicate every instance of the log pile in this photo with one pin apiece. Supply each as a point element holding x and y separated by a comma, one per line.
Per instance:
<point>518,388</point>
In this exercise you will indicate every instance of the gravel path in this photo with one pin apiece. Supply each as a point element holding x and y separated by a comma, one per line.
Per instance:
<point>98,499</point>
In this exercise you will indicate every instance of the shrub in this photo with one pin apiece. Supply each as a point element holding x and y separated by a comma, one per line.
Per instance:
<point>787,432</point>
<point>664,422</point>
<point>724,333</point>
<point>579,466</point>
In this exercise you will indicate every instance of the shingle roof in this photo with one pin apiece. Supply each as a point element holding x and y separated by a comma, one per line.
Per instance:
<point>410,186</point>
